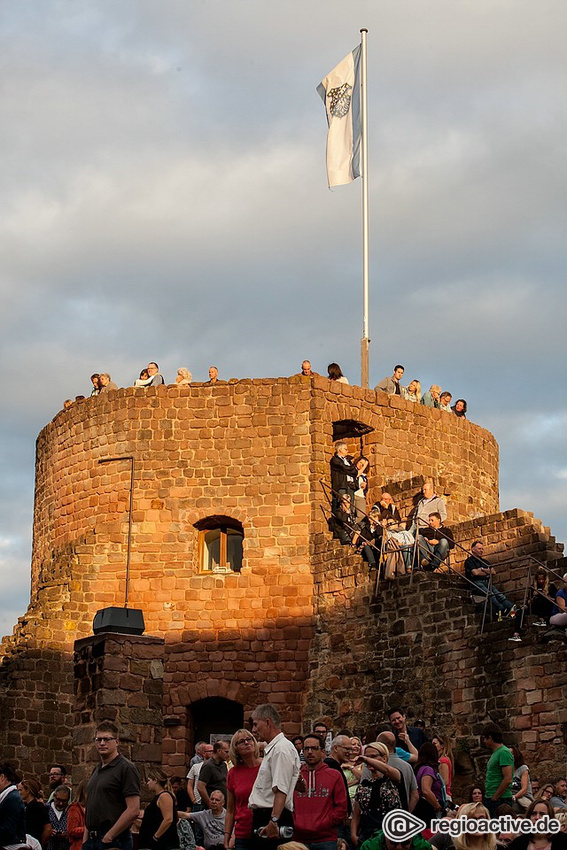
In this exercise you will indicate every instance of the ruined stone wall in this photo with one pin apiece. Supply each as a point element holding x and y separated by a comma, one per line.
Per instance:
<point>417,643</point>
<point>254,451</point>
<point>118,678</point>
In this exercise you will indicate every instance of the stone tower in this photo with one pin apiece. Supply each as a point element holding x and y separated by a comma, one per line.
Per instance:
<point>246,598</point>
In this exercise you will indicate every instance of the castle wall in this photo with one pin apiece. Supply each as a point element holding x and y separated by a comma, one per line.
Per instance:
<point>418,643</point>
<point>255,451</point>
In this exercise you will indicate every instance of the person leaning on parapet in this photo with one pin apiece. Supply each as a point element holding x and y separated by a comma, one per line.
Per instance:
<point>155,375</point>
<point>412,392</point>
<point>335,373</point>
<point>213,376</point>
<point>105,383</point>
<point>391,385</point>
<point>271,799</point>
<point>479,571</point>
<point>445,401</point>
<point>144,380</point>
<point>435,542</point>
<point>183,377</point>
<point>306,370</point>
<point>95,380</point>
<point>460,408</point>
<point>431,398</point>
<point>113,795</point>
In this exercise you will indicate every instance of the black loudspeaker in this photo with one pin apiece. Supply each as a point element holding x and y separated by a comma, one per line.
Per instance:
<point>122,621</point>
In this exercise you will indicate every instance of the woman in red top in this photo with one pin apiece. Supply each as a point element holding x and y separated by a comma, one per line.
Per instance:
<point>76,816</point>
<point>446,764</point>
<point>245,757</point>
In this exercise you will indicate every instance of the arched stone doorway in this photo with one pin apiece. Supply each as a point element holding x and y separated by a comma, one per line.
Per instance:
<point>214,716</point>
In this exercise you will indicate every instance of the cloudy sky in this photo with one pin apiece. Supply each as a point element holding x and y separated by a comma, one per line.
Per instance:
<point>163,196</point>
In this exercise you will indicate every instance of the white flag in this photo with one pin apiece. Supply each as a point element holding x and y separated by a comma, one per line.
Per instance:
<point>340,91</point>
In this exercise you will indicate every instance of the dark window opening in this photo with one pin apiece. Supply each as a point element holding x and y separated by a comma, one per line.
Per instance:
<point>214,717</point>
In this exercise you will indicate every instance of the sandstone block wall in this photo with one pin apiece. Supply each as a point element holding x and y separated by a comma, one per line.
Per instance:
<point>417,643</point>
<point>254,451</point>
<point>118,678</point>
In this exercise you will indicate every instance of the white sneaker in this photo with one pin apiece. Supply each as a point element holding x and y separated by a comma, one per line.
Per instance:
<point>516,638</point>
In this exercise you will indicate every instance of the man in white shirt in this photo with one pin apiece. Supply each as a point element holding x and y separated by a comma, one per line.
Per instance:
<point>206,751</point>
<point>271,799</point>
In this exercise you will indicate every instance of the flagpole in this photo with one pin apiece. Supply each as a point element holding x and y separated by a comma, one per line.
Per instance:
<point>365,341</point>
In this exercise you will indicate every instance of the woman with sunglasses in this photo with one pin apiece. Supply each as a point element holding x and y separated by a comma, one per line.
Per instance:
<point>245,757</point>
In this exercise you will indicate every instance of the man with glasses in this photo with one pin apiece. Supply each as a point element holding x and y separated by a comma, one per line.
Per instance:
<point>57,776</point>
<point>113,795</point>
<point>321,808</point>
<point>155,375</point>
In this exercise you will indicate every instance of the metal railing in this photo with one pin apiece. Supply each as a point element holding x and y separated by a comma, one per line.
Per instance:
<point>487,593</point>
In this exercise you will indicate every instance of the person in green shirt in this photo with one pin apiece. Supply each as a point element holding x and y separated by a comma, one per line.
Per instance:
<point>499,770</point>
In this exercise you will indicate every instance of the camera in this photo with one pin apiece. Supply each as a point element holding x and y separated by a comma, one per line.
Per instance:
<point>283,832</point>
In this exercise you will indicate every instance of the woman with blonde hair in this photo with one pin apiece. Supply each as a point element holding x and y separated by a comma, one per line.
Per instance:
<point>352,770</point>
<point>245,757</point>
<point>446,762</point>
<point>159,824</point>
<point>183,377</point>
<point>474,840</point>
<point>412,392</point>
<point>377,796</point>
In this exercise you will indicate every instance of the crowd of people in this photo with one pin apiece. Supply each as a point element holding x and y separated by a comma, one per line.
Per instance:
<point>260,790</point>
<point>151,376</point>
<point>423,541</point>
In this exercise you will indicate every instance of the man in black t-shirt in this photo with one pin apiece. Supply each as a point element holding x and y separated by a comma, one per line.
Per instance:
<point>113,795</point>
<point>213,773</point>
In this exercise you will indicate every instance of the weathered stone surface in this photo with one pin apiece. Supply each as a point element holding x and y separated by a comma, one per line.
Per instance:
<point>300,625</point>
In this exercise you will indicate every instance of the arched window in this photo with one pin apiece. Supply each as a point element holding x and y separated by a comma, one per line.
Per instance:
<point>220,544</point>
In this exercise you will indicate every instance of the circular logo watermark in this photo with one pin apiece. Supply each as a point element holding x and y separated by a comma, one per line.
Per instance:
<point>400,826</point>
